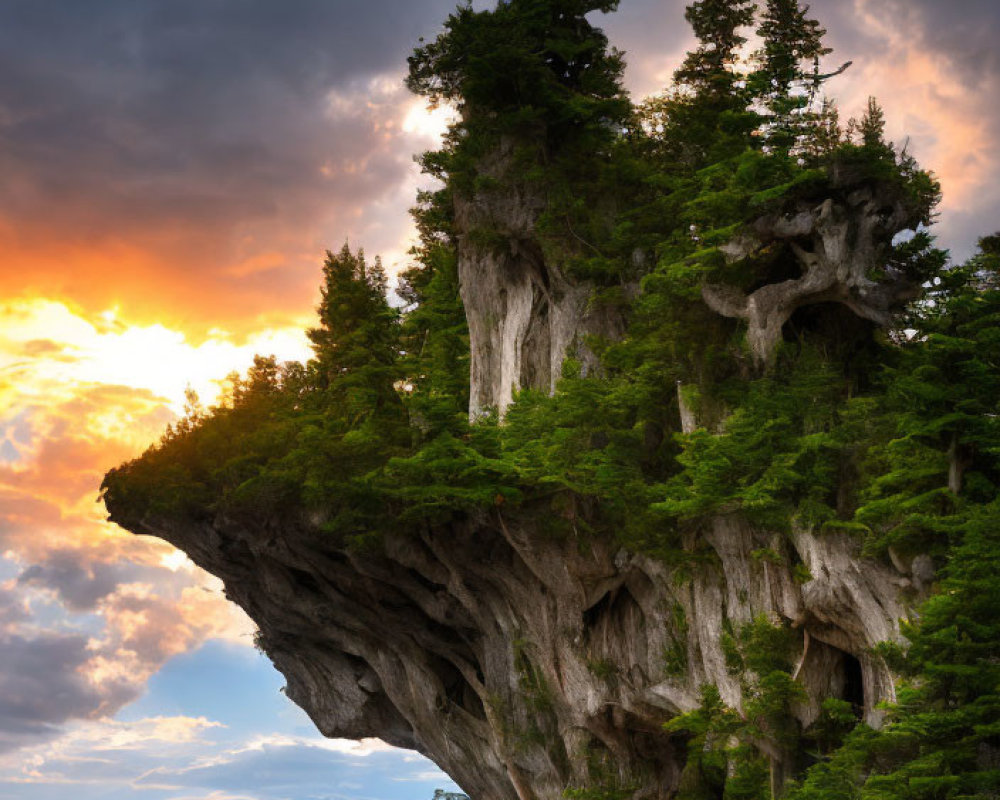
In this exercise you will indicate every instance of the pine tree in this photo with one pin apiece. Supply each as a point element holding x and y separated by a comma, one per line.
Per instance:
<point>706,119</point>
<point>872,126</point>
<point>356,343</point>
<point>709,71</point>
<point>435,339</point>
<point>943,736</point>
<point>945,741</point>
<point>789,78</point>
<point>944,399</point>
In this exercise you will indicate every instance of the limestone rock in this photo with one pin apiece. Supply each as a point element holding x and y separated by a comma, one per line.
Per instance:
<point>525,315</point>
<point>521,662</point>
<point>840,243</point>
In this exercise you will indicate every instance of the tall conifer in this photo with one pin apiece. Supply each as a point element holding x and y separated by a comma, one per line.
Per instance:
<point>709,69</point>
<point>356,343</point>
<point>788,78</point>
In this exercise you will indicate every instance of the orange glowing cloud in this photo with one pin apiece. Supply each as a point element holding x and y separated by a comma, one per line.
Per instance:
<point>928,104</point>
<point>80,393</point>
<point>237,244</point>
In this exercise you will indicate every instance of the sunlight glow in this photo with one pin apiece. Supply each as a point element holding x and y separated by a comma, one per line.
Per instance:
<point>47,348</point>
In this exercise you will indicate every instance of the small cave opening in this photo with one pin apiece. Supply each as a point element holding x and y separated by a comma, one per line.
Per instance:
<point>608,626</point>
<point>779,266</point>
<point>829,672</point>
<point>305,583</point>
<point>839,335</point>
<point>598,610</point>
<point>854,684</point>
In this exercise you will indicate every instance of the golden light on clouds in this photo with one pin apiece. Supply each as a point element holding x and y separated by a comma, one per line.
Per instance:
<point>79,393</point>
<point>48,351</point>
<point>928,104</point>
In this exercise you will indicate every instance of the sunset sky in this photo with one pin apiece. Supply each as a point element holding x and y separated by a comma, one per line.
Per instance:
<point>171,172</point>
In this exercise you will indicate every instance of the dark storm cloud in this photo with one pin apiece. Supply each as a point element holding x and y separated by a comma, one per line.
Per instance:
<point>79,581</point>
<point>42,687</point>
<point>139,92</point>
<point>183,128</point>
<point>936,69</point>
<point>965,31</point>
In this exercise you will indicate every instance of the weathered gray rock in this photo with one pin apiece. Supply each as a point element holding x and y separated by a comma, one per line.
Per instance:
<point>525,663</point>
<point>840,244</point>
<point>525,316</point>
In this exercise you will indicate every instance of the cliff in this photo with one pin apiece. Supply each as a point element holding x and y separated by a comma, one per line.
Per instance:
<point>671,572</point>
<point>525,315</point>
<point>525,664</point>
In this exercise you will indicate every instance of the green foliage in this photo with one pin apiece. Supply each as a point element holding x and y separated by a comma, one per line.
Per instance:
<point>892,437</point>
<point>725,747</point>
<point>782,453</point>
<point>942,739</point>
<point>435,342</point>
<point>540,105</point>
<point>942,459</point>
<point>788,78</point>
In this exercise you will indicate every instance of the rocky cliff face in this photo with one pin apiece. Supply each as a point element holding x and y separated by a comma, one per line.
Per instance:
<point>525,664</point>
<point>840,244</point>
<point>525,316</point>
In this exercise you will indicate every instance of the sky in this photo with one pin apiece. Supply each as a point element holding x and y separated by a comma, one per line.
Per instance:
<point>171,172</point>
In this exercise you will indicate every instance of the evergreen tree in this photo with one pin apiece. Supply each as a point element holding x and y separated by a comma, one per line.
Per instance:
<point>942,741</point>
<point>788,78</point>
<point>945,397</point>
<point>435,339</point>
<point>709,70</point>
<point>533,68</point>
<point>357,341</point>
<point>872,127</point>
<point>541,102</point>
<point>706,118</point>
<point>945,739</point>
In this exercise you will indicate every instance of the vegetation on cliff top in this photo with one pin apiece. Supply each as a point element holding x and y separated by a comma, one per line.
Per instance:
<point>893,435</point>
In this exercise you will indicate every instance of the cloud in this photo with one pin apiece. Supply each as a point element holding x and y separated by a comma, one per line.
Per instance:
<point>173,757</point>
<point>58,667</point>
<point>934,67</point>
<point>931,66</point>
<point>92,611</point>
<point>275,767</point>
<point>172,172</point>
<point>151,148</point>
<point>41,687</point>
<point>109,751</point>
<point>80,584</point>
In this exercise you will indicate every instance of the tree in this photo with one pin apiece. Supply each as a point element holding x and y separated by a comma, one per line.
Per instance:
<point>541,108</point>
<point>708,115</point>
<point>708,71</point>
<point>356,343</point>
<point>789,78</point>
<point>943,737</point>
<point>435,339</point>
<point>943,397</point>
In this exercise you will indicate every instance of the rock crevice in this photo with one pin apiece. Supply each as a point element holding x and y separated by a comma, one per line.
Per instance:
<point>525,314</point>
<point>840,244</point>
